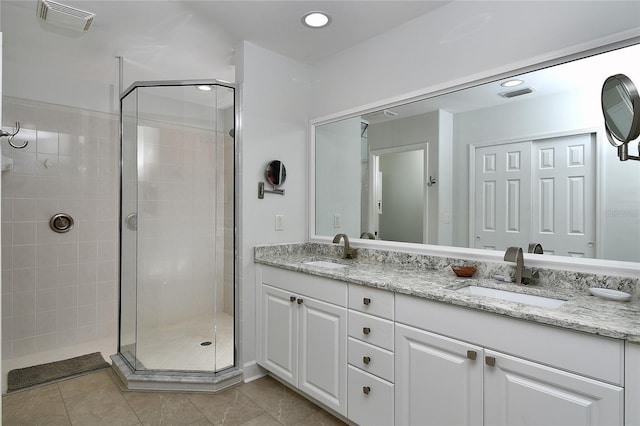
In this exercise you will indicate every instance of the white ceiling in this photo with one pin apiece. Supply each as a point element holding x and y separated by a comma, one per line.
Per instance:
<point>190,39</point>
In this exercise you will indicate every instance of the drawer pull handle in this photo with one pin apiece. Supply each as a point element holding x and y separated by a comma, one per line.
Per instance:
<point>490,360</point>
<point>366,330</point>
<point>472,355</point>
<point>366,301</point>
<point>366,390</point>
<point>366,359</point>
<point>292,298</point>
<point>300,301</point>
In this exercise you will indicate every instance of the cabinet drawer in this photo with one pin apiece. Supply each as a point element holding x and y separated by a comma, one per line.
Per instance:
<point>320,288</point>
<point>371,300</point>
<point>370,329</point>
<point>369,399</point>
<point>370,358</point>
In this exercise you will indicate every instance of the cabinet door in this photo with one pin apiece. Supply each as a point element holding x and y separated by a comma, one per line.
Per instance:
<point>519,392</point>
<point>279,333</point>
<point>322,353</point>
<point>438,381</point>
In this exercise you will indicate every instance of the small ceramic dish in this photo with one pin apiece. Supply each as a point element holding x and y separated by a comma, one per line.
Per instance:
<point>606,293</point>
<point>464,271</point>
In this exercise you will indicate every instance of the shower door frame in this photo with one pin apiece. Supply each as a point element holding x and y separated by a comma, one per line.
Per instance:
<point>237,130</point>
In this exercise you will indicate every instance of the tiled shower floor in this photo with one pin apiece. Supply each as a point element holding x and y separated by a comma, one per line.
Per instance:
<point>178,347</point>
<point>97,399</point>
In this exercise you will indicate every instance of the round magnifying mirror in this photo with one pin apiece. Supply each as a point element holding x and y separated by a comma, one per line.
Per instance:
<point>275,173</point>
<point>621,109</point>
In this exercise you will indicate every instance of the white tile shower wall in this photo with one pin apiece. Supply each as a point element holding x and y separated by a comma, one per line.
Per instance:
<point>183,194</point>
<point>59,290</point>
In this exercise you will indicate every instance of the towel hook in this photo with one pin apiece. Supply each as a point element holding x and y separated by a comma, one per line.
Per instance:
<point>10,136</point>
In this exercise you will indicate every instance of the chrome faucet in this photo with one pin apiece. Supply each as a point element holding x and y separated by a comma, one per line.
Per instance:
<point>368,235</point>
<point>349,253</point>
<point>514,254</point>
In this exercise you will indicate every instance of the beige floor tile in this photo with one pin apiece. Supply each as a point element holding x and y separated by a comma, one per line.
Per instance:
<point>163,408</point>
<point>95,399</point>
<point>283,404</point>
<point>38,406</point>
<point>228,408</point>
<point>263,420</point>
<point>321,418</point>
<point>202,422</point>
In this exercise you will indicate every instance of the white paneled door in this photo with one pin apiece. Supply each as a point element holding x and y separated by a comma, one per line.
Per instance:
<point>563,195</point>
<point>540,191</point>
<point>502,196</point>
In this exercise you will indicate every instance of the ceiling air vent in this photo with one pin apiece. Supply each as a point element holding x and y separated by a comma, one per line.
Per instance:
<point>64,16</point>
<point>515,93</point>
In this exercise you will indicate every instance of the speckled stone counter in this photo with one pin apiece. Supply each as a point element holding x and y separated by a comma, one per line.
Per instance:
<point>431,277</point>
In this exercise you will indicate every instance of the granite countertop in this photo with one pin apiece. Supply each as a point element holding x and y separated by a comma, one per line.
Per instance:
<point>581,312</point>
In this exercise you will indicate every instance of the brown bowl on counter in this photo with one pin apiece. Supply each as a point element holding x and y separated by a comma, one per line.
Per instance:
<point>464,271</point>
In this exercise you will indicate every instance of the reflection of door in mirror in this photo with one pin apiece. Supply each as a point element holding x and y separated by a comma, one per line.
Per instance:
<point>399,195</point>
<point>540,191</point>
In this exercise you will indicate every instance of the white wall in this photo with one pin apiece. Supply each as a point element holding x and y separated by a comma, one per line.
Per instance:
<point>274,127</point>
<point>461,42</point>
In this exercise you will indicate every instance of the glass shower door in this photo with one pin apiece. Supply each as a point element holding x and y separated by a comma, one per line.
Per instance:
<point>183,161</point>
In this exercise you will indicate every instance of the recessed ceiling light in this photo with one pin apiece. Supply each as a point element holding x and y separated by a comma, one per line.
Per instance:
<point>316,19</point>
<point>204,88</point>
<point>512,83</point>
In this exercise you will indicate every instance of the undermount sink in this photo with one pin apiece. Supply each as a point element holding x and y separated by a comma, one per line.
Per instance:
<point>325,264</point>
<point>528,299</point>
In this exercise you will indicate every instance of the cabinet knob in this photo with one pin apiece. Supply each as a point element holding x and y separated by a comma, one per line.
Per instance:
<point>366,301</point>
<point>300,301</point>
<point>366,390</point>
<point>366,330</point>
<point>490,361</point>
<point>366,359</point>
<point>292,298</point>
<point>472,355</point>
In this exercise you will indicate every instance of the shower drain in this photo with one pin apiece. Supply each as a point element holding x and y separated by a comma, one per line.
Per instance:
<point>205,343</point>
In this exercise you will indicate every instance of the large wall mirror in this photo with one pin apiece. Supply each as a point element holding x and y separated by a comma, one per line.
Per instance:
<point>505,163</point>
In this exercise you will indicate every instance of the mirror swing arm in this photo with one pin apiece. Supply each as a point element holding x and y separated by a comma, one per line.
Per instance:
<point>275,173</point>
<point>620,96</point>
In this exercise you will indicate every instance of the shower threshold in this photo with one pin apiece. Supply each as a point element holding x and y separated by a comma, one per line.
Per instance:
<point>188,381</point>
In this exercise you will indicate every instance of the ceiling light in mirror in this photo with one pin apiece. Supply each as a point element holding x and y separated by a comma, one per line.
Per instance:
<point>204,88</point>
<point>316,19</point>
<point>511,83</point>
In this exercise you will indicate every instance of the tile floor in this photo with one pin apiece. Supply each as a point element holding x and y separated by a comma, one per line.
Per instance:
<point>97,399</point>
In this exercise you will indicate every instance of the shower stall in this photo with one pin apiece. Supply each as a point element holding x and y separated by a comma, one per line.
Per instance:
<point>177,236</point>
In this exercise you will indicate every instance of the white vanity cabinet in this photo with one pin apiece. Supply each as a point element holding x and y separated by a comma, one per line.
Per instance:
<point>371,356</point>
<point>514,372</point>
<point>303,338</point>
<point>438,379</point>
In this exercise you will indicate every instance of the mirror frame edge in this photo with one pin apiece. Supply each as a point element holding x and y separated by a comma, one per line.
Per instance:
<point>585,265</point>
